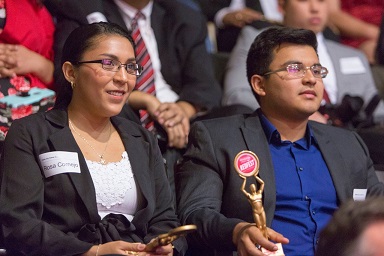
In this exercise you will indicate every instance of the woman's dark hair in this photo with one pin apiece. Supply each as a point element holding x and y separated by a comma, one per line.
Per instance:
<point>261,52</point>
<point>78,42</point>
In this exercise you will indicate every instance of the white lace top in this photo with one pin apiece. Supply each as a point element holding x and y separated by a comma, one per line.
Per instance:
<point>116,190</point>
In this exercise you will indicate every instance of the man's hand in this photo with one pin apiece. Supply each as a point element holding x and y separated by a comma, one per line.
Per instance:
<point>251,237</point>
<point>175,122</point>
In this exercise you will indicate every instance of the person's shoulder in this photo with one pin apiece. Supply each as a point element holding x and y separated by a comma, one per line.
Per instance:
<point>180,12</point>
<point>250,31</point>
<point>36,119</point>
<point>344,49</point>
<point>42,123</point>
<point>223,122</point>
<point>330,131</point>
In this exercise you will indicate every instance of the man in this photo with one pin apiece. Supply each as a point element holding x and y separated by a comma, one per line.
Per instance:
<point>356,229</point>
<point>349,70</point>
<point>308,168</point>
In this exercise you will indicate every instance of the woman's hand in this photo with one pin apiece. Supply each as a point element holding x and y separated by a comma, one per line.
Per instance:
<point>19,60</point>
<point>117,247</point>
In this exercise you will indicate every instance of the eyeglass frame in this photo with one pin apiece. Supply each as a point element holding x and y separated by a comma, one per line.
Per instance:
<point>136,72</point>
<point>286,68</point>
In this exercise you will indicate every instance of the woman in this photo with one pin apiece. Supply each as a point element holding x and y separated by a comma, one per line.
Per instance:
<point>77,179</point>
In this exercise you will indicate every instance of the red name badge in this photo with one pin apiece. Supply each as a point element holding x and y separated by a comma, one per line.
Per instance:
<point>246,163</point>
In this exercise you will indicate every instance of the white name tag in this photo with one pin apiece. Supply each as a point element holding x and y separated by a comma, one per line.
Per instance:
<point>58,162</point>
<point>359,194</point>
<point>352,65</point>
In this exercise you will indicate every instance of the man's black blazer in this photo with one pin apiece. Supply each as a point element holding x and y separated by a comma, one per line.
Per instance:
<point>208,186</point>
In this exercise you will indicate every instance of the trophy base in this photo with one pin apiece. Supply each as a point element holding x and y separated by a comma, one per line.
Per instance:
<point>279,251</point>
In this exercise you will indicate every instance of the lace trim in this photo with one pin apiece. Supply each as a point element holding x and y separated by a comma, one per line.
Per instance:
<point>113,182</point>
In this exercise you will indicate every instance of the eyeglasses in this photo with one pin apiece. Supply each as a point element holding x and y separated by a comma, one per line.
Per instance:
<point>115,65</point>
<point>298,71</point>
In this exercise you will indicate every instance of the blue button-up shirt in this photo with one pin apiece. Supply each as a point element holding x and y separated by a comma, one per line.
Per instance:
<point>305,194</point>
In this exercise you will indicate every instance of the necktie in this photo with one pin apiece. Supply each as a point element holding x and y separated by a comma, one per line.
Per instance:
<point>145,82</point>
<point>326,97</point>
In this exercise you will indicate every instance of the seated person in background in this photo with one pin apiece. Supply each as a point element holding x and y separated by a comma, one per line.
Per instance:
<point>356,229</point>
<point>26,42</point>
<point>89,183</point>
<point>308,168</point>
<point>358,23</point>
<point>26,49</point>
<point>230,16</point>
<point>349,71</point>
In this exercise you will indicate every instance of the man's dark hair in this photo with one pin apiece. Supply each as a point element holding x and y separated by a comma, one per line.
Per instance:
<point>261,52</point>
<point>340,236</point>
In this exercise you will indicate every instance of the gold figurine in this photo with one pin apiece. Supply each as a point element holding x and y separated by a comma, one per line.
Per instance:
<point>247,165</point>
<point>255,198</point>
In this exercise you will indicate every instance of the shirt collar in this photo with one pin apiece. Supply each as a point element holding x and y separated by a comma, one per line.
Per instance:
<point>131,11</point>
<point>273,135</point>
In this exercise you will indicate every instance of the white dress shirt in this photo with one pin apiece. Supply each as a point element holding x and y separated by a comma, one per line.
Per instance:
<point>164,91</point>
<point>330,83</point>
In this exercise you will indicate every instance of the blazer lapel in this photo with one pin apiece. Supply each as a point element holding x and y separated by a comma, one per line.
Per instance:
<point>112,14</point>
<point>333,159</point>
<point>256,142</point>
<point>63,140</point>
<point>138,153</point>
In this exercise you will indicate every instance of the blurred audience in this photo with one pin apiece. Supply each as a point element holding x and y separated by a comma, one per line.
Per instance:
<point>356,229</point>
<point>349,70</point>
<point>26,57</point>
<point>358,22</point>
<point>230,16</point>
<point>26,42</point>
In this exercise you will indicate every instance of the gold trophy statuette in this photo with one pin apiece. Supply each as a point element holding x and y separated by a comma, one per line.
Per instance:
<point>247,164</point>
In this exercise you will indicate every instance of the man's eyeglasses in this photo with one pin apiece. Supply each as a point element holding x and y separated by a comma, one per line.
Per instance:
<point>115,65</point>
<point>298,71</point>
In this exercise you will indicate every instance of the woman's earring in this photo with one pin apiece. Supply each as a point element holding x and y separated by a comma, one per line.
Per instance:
<point>73,85</point>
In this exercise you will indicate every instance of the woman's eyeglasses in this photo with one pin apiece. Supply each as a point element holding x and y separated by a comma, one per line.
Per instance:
<point>115,65</point>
